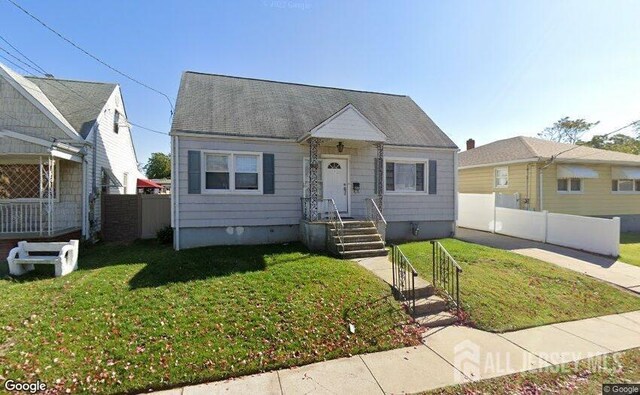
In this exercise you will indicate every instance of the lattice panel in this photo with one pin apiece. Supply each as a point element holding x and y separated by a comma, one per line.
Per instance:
<point>19,181</point>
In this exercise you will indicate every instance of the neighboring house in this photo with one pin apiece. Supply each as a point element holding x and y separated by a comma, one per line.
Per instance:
<point>62,144</point>
<point>557,177</point>
<point>165,183</point>
<point>149,187</point>
<point>257,161</point>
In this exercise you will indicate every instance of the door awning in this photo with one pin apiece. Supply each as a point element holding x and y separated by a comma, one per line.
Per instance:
<point>625,173</point>
<point>572,171</point>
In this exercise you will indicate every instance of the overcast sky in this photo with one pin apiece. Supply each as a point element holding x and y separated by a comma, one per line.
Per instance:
<point>481,69</point>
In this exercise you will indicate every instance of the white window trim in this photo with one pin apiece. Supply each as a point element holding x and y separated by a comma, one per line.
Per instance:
<point>569,191</point>
<point>56,199</point>
<point>495,177</point>
<point>406,161</point>
<point>619,192</point>
<point>232,178</point>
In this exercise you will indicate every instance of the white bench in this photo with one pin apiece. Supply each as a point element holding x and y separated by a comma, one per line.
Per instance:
<point>22,258</point>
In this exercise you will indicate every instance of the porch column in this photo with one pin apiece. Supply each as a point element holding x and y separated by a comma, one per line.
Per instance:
<point>314,143</point>
<point>380,175</point>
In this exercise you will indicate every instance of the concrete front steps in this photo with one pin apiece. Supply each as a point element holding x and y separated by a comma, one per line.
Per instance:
<point>430,309</point>
<point>360,239</point>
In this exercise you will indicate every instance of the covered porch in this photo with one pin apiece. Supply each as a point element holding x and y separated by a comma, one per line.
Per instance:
<point>343,185</point>
<point>40,196</point>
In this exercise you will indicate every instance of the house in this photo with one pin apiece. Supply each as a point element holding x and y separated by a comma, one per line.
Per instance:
<point>63,143</point>
<point>165,183</point>
<point>258,161</point>
<point>557,177</point>
<point>149,187</point>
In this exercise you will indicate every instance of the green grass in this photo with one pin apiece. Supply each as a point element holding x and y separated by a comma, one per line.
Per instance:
<point>503,291</point>
<point>144,316</point>
<point>630,248</point>
<point>584,377</point>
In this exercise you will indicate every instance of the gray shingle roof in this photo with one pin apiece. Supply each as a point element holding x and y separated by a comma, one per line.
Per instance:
<point>216,104</point>
<point>529,148</point>
<point>79,102</point>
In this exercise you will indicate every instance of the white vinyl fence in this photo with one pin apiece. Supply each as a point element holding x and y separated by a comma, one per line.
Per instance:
<point>599,235</point>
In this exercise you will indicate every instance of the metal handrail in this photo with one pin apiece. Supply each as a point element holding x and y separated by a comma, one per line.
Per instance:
<point>446,273</point>
<point>336,221</point>
<point>375,215</point>
<point>404,275</point>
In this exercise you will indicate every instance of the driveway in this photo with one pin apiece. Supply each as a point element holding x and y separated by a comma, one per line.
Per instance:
<point>600,267</point>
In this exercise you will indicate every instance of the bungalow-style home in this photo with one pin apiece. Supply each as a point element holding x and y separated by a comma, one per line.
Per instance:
<point>258,161</point>
<point>63,143</point>
<point>557,177</point>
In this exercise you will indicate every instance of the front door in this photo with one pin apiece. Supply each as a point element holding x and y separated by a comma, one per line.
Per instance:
<point>335,183</point>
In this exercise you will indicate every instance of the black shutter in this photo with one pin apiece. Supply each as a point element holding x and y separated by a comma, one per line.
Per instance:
<point>433,177</point>
<point>376,166</point>
<point>390,177</point>
<point>419,176</point>
<point>193,172</point>
<point>268,174</point>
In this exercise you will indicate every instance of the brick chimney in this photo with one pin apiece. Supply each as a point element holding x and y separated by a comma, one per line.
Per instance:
<point>471,144</point>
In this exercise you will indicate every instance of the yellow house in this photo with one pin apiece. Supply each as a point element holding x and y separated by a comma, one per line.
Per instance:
<point>557,177</point>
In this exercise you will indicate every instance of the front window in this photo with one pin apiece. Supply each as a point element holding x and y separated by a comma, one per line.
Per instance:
<point>246,172</point>
<point>569,185</point>
<point>232,171</point>
<point>405,176</point>
<point>22,181</point>
<point>501,177</point>
<point>625,185</point>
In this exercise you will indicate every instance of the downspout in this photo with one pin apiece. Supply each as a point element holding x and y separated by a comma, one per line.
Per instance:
<point>541,173</point>
<point>455,192</point>
<point>94,188</point>
<point>175,179</point>
<point>84,197</point>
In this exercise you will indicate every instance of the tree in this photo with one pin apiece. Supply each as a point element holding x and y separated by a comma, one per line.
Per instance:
<point>158,166</point>
<point>567,130</point>
<point>617,142</point>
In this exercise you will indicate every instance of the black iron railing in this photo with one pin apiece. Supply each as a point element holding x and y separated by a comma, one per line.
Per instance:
<point>446,273</point>
<point>404,275</point>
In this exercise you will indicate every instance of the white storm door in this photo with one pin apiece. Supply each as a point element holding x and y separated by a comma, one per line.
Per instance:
<point>335,183</point>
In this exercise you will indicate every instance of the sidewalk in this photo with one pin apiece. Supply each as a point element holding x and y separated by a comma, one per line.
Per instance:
<point>449,355</point>
<point>600,267</point>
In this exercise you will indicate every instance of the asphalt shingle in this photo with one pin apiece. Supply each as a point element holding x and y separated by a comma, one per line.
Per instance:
<point>224,105</point>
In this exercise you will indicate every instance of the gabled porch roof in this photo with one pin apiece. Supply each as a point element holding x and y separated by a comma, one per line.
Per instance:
<point>346,124</point>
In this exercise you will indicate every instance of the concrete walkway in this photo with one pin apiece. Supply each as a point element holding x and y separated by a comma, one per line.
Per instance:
<point>603,268</point>
<point>448,356</point>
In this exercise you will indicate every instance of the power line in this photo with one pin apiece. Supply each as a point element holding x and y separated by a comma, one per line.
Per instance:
<point>553,157</point>
<point>23,55</point>
<point>93,56</point>
<point>50,82</point>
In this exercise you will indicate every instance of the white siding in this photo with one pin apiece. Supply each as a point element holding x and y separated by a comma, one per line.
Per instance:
<point>424,207</point>
<point>283,207</point>
<point>349,125</point>
<point>114,151</point>
<point>19,115</point>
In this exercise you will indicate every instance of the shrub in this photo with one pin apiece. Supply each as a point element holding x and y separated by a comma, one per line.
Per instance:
<point>165,235</point>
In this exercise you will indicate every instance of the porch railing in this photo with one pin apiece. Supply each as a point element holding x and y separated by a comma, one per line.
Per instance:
<point>337,224</point>
<point>446,273</point>
<point>375,215</point>
<point>22,217</point>
<point>404,275</point>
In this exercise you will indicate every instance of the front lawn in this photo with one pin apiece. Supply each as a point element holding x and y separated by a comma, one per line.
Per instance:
<point>630,248</point>
<point>583,377</point>
<point>503,291</point>
<point>144,316</point>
